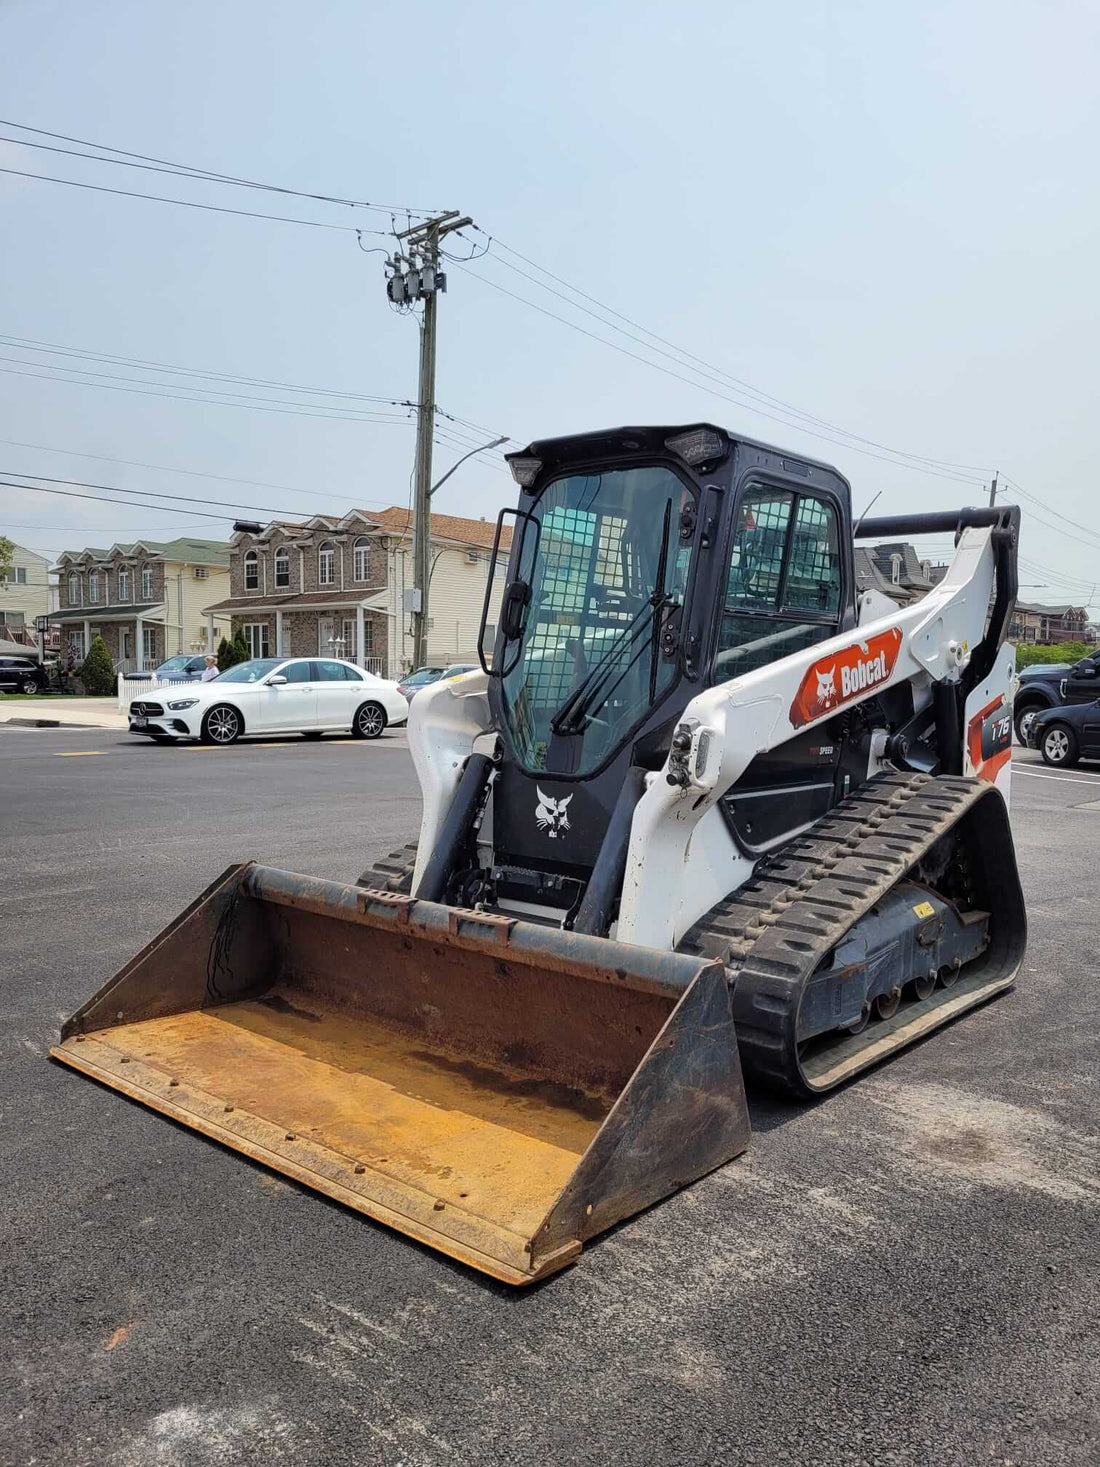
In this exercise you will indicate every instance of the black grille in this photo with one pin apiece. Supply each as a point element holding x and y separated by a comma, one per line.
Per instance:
<point>146,710</point>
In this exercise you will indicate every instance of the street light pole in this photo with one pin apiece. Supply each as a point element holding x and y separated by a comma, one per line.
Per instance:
<point>459,462</point>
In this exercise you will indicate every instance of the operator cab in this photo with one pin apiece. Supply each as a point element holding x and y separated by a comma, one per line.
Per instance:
<point>645,564</point>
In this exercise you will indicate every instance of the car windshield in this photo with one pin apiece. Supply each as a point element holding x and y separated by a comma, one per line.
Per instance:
<point>250,672</point>
<point>593,629</point>
<point>422,675</point>
<point>174,664</point>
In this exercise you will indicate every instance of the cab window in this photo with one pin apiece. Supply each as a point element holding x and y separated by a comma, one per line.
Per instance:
<point>296,672</point>
<point>784,582</point>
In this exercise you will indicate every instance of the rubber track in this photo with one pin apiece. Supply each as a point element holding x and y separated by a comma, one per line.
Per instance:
<point>775,931</point>
<point>393,872</point>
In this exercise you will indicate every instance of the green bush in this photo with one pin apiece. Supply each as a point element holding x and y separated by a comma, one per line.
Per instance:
<point>97,671</point>
<point>226,657</point>
<point>241,652</point>
<point>1029,655</point>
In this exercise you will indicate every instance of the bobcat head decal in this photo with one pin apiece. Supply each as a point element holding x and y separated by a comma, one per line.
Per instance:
<point>550,814</point>
<point>826,685</point>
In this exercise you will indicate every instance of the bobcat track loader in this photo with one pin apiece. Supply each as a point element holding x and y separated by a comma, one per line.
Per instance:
<point>711,812</point>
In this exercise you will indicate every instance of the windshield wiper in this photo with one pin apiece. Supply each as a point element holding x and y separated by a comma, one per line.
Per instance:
<point>572,716</point>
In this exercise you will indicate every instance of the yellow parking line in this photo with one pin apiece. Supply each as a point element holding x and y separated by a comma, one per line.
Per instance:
<point>80,753</point>
<point>218,748</point>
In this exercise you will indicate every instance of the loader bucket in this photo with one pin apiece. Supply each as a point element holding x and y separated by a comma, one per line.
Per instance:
<point>498,1090</point>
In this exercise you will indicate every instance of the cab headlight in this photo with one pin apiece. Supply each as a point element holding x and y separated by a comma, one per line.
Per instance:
<point>183,703</point>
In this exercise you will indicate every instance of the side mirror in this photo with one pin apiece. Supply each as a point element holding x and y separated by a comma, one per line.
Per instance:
<point>1085,669</point>
<point>276,680</point>
<point>513,609</point>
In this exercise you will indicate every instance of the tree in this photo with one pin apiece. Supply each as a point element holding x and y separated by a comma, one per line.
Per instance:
<point>226,659</point>
<point>7,555</point>
<point>97,671</point>
<point>241,652</point>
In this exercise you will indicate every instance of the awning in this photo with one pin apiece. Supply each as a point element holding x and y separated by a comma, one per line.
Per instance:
<point>148,611</point>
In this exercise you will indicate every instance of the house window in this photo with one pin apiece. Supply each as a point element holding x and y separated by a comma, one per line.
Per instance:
<point>74,589</point>
<point>361,547</point>
<point>127,644</point>
<point>93,588</point>
<point>20,574</point>
<point>895,569</point>
<point>149,642</point>
<point>147,583</point>
<point>76,645</point>
<point>368,638</point>
<point>252,571</point>
<point>255,636</point>
<point>282,570</point>
<point>123,584</point>
<point>326,565</point>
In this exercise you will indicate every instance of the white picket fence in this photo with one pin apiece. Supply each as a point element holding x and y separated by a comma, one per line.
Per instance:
<point>130,688</point>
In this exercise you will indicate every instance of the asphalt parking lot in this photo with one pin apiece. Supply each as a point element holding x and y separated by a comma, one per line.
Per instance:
<point>907,1273</point>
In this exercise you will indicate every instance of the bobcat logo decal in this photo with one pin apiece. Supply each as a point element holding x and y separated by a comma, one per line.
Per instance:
<point>550,814</point>
<point>844,676</point>
<point>826,686</point>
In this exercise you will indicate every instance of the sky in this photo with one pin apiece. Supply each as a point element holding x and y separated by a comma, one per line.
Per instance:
<point>885,218</point>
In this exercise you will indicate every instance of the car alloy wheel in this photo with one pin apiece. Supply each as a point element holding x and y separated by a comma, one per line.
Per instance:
<point>223,725</point>
<point>29,685</point>
<point>1024,722</point>
<point>1056,746</point>
<point>370,721</point>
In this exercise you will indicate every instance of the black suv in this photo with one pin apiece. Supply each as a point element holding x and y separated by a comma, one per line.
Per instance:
<point>22,675</point>
<point>1054,686</point>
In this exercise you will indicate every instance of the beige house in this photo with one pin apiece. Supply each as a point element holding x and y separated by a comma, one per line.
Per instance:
<point>27,591</point>
<point>145,600</point>
<point>335,586</point>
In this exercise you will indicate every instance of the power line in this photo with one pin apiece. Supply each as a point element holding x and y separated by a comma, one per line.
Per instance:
<point>126,193</point>
<point>242,398</point>
<point>699,386</point>
<point>169,468</point>
<point>146,493</point>
<point>185,170</point>
<point>315,410</point>
<point>54,348</point>
<point>726,377</point>
<point>131,503</point>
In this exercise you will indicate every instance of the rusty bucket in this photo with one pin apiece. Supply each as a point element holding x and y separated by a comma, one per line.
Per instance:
<point>498,1090</point>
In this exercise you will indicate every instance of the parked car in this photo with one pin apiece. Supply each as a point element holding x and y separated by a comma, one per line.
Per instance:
<point>22,675</point>
<point>1053,685</point>
<point>267,695</point>
<point>1065,734</point>
<point>183,668</point>
<point>423,677</point>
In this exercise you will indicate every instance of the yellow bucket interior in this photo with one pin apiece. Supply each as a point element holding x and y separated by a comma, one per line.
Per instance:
<point>448,1085</point>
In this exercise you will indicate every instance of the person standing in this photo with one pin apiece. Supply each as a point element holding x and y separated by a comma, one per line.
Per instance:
<point>210,671</point>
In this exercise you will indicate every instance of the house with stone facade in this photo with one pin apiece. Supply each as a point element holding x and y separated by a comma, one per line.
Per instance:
<point>146,600</point>
<point>335,586</point>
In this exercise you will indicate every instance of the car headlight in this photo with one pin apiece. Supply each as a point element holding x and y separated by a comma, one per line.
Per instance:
<point>183,703</point>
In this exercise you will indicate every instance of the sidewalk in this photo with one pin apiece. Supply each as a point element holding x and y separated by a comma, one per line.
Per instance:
<point>86,712</point>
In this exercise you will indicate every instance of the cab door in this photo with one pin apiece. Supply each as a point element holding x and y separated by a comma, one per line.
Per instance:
<point>787,587</point>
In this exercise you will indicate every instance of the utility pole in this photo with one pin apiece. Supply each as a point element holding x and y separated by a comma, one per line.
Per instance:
<point>416,276</point>
<point>993,491</point>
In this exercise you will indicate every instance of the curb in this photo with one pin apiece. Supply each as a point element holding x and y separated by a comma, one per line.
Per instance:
<point>45,723</point>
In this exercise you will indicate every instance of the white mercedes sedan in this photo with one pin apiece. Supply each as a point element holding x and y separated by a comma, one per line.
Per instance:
<point>272,695</point>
